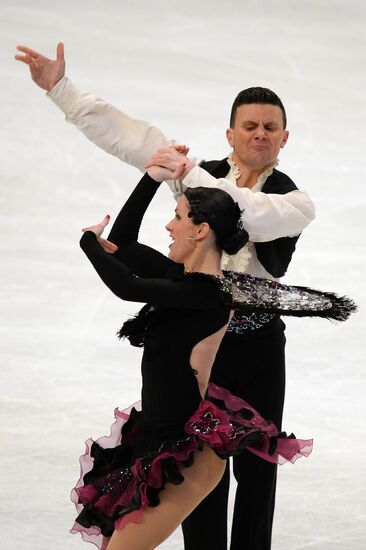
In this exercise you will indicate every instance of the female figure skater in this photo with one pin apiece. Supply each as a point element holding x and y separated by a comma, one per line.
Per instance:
<point>163,457</point>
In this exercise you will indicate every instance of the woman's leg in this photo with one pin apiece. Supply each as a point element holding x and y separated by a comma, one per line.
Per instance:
<point>197,527</point>
<point>176,503</point>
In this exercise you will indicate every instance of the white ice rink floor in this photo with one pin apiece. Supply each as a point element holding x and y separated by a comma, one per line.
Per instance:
<point>179,65</point>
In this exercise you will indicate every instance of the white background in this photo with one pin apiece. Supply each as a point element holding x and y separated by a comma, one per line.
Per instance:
<point>179,65</point>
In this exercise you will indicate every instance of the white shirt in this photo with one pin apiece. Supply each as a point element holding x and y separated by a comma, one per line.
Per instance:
<point>266,216</point>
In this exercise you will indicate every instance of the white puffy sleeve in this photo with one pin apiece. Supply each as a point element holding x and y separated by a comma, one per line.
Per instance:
<point>266,216</point>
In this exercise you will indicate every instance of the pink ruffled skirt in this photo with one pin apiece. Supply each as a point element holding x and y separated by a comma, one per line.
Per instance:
<point>115,485</point>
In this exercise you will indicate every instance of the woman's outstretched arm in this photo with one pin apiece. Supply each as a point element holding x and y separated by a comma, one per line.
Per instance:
<point>194,292</point>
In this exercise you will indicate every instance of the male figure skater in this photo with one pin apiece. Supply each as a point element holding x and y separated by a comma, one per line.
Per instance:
<point>251,359</point>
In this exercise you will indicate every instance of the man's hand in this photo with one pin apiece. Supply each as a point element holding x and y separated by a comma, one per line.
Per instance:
<point>170,160</point>
<point>98,230</point>
<point>44,71</point>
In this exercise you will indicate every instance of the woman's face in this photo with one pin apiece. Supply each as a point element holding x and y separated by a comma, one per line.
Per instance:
<point>181,229</point>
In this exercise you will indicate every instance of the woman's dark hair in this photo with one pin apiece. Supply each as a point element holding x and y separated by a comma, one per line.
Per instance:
<point>222,214</point>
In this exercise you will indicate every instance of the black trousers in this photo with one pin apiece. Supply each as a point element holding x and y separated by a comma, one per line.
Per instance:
<point>251,366</point>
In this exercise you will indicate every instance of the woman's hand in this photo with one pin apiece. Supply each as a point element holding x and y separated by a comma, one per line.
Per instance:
<point>159,173</point>
<point>98,229</point>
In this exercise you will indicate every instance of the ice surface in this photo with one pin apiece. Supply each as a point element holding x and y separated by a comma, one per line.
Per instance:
<point>179,65</point>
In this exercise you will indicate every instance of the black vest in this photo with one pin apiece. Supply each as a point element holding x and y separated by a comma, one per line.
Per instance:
<point>276,255</point>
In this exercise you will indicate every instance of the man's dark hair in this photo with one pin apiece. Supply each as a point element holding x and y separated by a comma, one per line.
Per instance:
<point>259,95</point>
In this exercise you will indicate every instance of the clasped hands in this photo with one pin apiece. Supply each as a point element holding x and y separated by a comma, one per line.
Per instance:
<point>169,163</point>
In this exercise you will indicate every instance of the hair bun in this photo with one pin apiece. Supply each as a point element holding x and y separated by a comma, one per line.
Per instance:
<point>218,209</point>
<point>236,241</point>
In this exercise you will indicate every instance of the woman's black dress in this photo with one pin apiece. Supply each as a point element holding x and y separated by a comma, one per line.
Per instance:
<point>152,442</point>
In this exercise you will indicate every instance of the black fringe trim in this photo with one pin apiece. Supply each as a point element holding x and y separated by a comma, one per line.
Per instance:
<point>135,329</point>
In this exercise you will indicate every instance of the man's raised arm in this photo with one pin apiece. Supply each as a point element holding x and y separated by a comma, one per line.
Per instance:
<point>131,140</point>
<point>266,216</point>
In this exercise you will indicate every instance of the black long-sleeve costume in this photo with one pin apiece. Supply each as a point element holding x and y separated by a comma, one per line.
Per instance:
<point>186,310</point>
<point>148,447</point>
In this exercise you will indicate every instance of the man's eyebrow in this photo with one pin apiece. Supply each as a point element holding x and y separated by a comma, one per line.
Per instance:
<point>255,122</point>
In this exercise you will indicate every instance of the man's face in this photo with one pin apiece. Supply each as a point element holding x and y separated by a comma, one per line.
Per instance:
<point>257,136</point>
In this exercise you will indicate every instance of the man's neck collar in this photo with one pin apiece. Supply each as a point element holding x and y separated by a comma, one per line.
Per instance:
<point>261,176</point>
